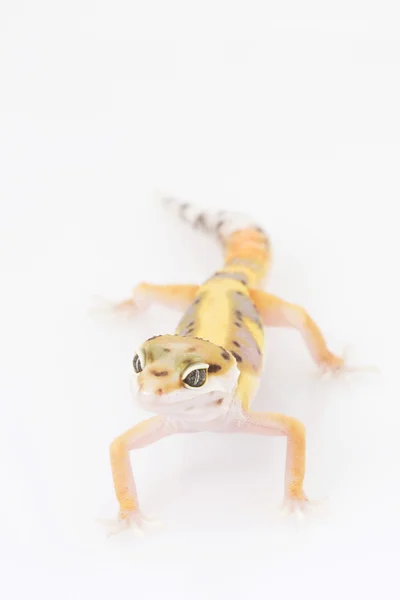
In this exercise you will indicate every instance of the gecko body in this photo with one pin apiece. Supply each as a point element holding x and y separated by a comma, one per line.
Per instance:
<point>205,375</point>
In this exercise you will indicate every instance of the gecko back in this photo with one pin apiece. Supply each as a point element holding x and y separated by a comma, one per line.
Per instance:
<point>223,311</point>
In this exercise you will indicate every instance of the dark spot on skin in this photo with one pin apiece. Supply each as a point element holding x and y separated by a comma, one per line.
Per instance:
<point>219,225</point>
<point>159,373</point>
<point>183,209</point>
<point>238,324</point>
<point>166,350</point>
<point>196,301</point>
<point>190,325</point>
<point>238,315</point>
<point>214,368</point>
<point>239,293</point>
<point>191,350</point>
<point>237,356</point>
<point>240,277</point>
<point>200,222</point>
<point>219,401</point>
<point>258,350</point>
<point>189,331</point>
<point>225,355</point>
<point>236,343</point>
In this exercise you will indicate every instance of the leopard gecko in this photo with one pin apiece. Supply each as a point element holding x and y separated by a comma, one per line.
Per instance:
<point>205,375</point>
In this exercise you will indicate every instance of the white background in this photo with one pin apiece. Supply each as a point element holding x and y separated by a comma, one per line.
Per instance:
<point>287,110</point>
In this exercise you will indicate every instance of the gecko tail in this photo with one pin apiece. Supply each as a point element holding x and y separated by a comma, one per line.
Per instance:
<point>246,244</point>
<point>220,223</point>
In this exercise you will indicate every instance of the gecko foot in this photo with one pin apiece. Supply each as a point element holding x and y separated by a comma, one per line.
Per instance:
<point>294,506</point>
<point>299,507</point>
<point>102,306</point>
<point>134,520</point>
<point>332,365</point>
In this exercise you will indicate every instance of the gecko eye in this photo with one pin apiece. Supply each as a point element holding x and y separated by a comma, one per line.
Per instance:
<point>196,378</point>
<point>138,362</point>
<point>195,375</point>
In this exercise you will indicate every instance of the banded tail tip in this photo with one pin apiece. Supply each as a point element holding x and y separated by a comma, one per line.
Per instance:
<point>221,223</point>
<point>172,204</point>
<point>159,198</point>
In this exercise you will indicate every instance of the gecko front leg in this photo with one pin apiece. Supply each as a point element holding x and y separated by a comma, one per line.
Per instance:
<point>275,424</point>
<point>144,433</point>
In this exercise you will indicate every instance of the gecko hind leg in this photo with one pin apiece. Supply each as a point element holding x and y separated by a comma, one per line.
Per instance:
<point>276,312</point>
<point>178,297</point>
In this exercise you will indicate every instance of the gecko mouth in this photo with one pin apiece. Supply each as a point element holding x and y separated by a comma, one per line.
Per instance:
<point>204,407</point>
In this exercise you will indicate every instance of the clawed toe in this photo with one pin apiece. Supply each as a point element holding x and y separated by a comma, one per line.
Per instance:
<point>103,306</point>
<point>333,366</point>
<point>300,507</point>
<point>136,521</point>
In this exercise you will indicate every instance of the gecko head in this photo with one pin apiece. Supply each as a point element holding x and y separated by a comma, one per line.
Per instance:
<point>183,377</point>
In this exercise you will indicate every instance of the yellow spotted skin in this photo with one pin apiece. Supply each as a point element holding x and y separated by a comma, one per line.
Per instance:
<point>224,313</point>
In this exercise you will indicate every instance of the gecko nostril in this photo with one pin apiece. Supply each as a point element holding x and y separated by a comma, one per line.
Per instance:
<point>159,373</point>
<point>159,392</point>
